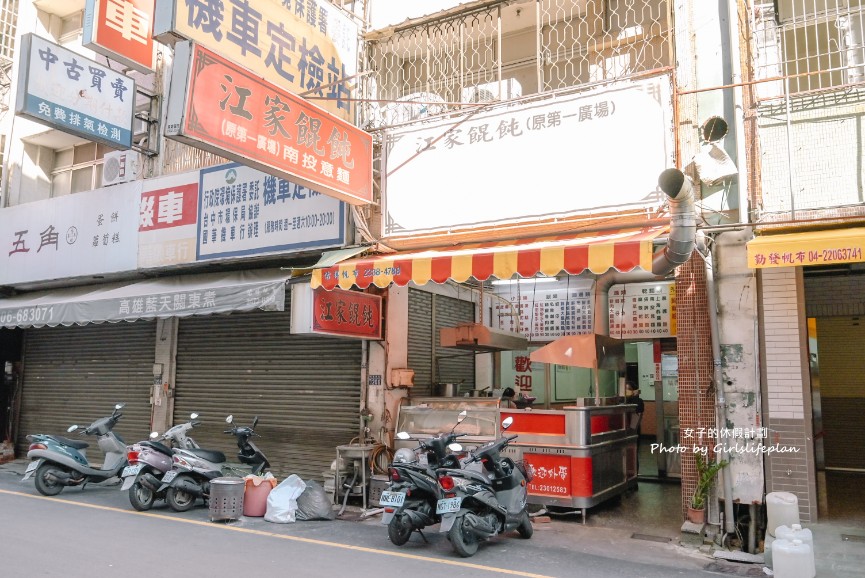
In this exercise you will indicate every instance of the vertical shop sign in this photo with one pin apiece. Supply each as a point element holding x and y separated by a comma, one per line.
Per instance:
<point>64,90</point>
<point>122,30</point>
<point>218,106</point>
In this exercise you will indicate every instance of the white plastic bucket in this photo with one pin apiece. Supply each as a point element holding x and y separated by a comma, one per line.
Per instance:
<point>791,559</point>
<point>797,532</point>
<point>782,509</point>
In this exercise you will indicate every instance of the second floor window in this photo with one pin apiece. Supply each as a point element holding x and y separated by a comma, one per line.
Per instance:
<point>77,169</point>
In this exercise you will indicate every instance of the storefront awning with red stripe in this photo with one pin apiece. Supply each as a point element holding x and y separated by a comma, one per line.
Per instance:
<point>622,250</point>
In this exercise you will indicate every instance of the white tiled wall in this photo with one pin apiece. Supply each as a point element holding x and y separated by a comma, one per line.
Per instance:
<point>783,328</point>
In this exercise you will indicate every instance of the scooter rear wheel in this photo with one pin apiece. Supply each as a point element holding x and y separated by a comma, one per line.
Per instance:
<point>140,497</point>
<point>463,541</point>
<point>399,529</point>
<point>45,486</point>
<point>179,500</point>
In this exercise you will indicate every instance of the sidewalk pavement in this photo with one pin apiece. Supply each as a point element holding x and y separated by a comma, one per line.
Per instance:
<point>647,525</point>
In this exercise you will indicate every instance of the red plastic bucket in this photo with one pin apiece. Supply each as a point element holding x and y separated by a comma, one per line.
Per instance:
<point>255,496</point>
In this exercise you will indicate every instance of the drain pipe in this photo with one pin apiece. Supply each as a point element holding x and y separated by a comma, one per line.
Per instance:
<point>717,377</point>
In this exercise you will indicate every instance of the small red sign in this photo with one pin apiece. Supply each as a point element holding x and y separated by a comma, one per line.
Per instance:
<point>171,207</point>
<point>125,28</point>
<point>346,313</point>
<point>552,475</point>
<point>257,123</point>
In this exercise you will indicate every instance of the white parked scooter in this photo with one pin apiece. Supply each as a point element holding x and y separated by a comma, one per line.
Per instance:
<point>57,461</point>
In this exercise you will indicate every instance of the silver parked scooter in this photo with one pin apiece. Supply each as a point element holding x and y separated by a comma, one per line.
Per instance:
<point>57,461</point>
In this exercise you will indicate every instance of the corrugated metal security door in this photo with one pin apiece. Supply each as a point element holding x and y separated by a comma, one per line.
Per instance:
<point>77,374</point>
<point>420,341</point>
<point>429,312</point>
<point>305,389</point>
<point>454,365</point>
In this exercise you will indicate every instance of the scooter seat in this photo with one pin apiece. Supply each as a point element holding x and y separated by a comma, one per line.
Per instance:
<point>162,448</point>
<point>209,455</point>
<point>76,444</point>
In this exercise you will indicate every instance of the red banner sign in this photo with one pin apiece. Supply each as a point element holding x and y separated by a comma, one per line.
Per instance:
<point>346,313</point>
<point>232,112</point>
<point>171,207</point>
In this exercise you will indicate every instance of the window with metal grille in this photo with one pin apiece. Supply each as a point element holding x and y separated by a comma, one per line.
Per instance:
<point>508,50</point>
<point>811,45</point>
<point>8,27</point>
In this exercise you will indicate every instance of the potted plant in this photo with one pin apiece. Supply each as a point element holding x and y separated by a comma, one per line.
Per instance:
<point>706,472</point>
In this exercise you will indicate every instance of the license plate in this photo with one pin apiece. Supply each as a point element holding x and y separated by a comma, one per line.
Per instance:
<point>448,505</point>
<point>170,475</point>
<point>31,467</point>
<point>392,499</point>
<point>131,470</point>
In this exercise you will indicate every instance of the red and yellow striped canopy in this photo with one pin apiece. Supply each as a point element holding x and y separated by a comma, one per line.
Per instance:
<point>622,250</point>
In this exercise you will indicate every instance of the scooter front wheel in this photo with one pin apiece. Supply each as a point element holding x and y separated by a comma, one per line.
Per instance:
<point>399,529</point>
<point>46,479</point>
<point>464,542</point>
<point>140,497</point>
<point>525,528</point>
<point>178,499</point>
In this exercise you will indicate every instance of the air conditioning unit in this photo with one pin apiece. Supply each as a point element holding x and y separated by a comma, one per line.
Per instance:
<point>120,167</point>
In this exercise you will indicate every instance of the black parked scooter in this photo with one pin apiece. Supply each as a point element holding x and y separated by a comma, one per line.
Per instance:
<point>411,498</point>
<point>477,506</point>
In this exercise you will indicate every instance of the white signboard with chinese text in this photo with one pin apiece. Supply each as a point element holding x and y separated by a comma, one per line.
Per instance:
<point>66,91</point>
<point>243,212</point>
<point>168,219</point>
<point>545,312</point>
<point>90,233</point>
<point>643,310</point>
<point>596,150</point>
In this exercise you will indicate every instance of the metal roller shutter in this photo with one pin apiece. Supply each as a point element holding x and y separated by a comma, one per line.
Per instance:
<point>420,341</point>
<point>454,366</point>
<point>432,363</point>
<point>305,389</point>
<point>76,375</point>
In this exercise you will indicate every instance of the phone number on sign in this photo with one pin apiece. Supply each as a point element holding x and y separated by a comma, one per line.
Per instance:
<point>28,315</point>
<point>545,489</point>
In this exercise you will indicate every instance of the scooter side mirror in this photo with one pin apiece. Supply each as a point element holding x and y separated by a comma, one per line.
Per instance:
<point>119,406</point>
<point>455,447</point>
<point>403,435</point>
<point>463,414</point>
<point>72,428</point>
<point>508,422</point>
<point>154,435</point>
<point>229,419</point>
<point>193,415</point>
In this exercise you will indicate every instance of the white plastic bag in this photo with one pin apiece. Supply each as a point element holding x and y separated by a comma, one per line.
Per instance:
<point>282,501</point>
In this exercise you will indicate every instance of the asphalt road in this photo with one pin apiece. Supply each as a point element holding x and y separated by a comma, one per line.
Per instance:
<point>94,531</point>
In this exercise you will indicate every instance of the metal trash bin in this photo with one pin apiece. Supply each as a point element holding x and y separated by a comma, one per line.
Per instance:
<point>226,498</point>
